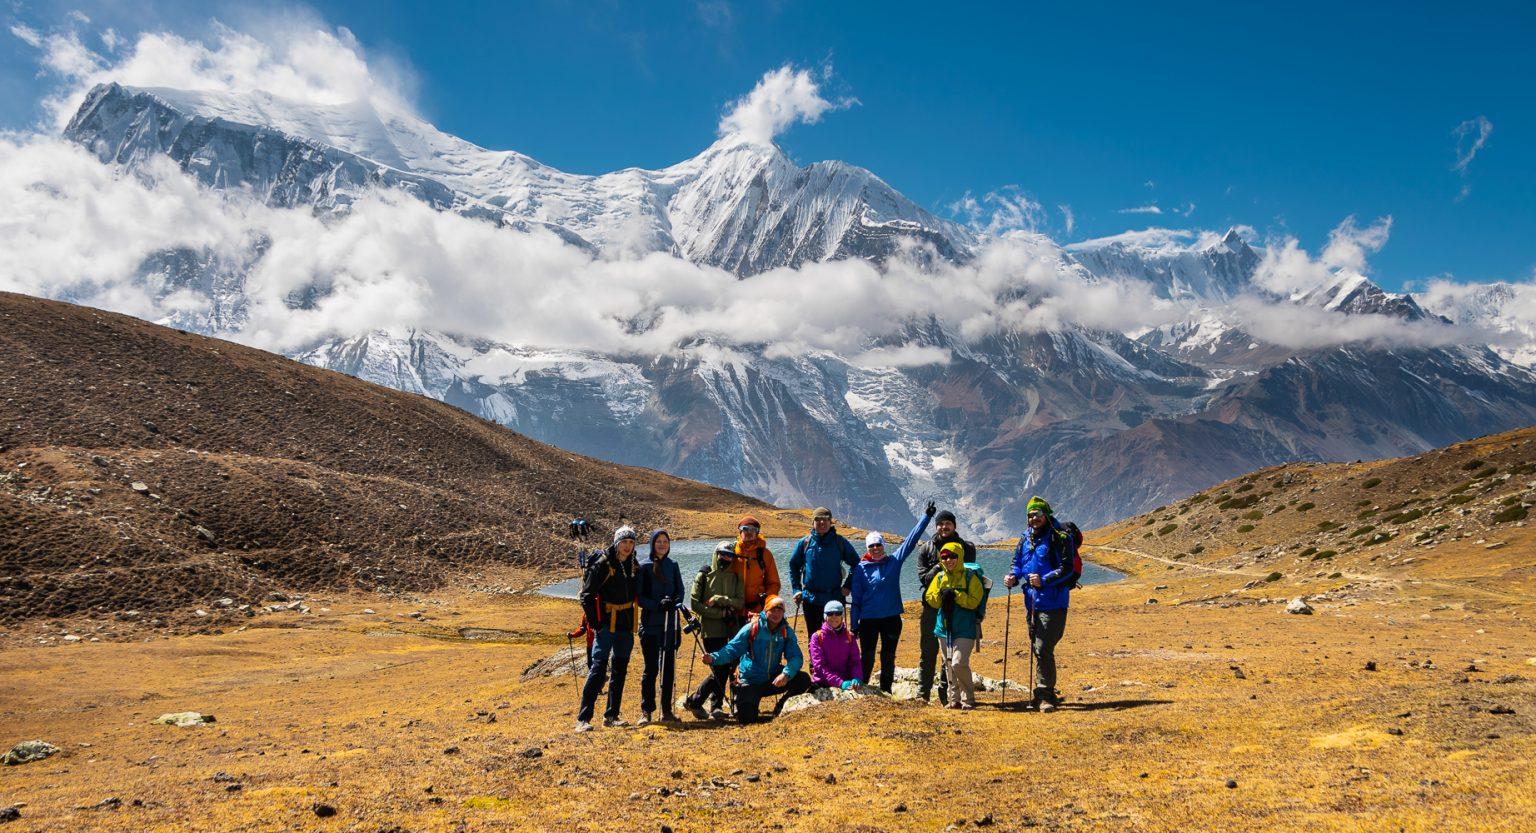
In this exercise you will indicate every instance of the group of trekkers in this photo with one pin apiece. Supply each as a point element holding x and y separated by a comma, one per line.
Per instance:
<point>852,606</point>
<point>580,528</point>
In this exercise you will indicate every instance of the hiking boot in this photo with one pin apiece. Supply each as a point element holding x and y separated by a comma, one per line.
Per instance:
<point>718,713</point>
<point>614,722</point>
<point>668,717</point>
<point>965,707</point>
<point>1047,706</point>
<point>645,720</point>
<point>583,726</point>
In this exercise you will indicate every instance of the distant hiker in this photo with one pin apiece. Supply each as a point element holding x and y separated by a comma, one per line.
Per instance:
<point>754,563</point>
<point>834,652</point>
<point>660,591</point>
<point>717,597</point>
<point>608,600</point>
<point>769,659</point>
<point>816,568</point>
<point>928,566</point>
<point>957,592</point>
<point>875,609</point>
<point>1043,561</point>
<point>575,528</point>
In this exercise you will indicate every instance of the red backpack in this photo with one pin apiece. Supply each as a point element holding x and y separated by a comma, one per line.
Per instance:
<point>1068,532</point>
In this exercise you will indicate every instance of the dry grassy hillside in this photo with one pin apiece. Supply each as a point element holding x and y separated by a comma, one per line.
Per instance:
<point>143,468</point>
<point>1460,514</point>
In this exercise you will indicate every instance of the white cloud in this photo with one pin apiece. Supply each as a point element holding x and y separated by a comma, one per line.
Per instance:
<point>1069,221</point>
<point>1141,209</point>
<point>1287,268</point>
<point>295,57</point>
<point>1470,135</point>
<point>999,212</point>
<point>26,34</point>
<point>781,98</point>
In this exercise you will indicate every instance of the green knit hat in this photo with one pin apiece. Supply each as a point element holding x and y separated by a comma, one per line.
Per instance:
<point>1038,503</point>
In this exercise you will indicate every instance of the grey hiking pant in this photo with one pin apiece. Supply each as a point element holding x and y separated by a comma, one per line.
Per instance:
<point>928,655</point>
<point>1048,627</point>
<point>957,661</point>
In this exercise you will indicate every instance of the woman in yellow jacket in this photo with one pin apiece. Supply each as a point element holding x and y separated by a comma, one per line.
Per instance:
<point>957,592</point>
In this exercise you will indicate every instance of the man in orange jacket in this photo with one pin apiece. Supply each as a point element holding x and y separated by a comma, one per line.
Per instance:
<point>755,565</point>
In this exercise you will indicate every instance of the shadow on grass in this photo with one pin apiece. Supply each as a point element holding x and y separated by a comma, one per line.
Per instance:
<point>1103,705</point>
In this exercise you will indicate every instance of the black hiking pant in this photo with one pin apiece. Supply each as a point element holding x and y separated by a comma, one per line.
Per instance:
<point>749,697</point>
<point>660,660</point>
<point>1048,627</point>
<point>928,656</point>
<point>813,604</point>
<point>713,687</point>
<point>608,649</point>
<point>885,630</point>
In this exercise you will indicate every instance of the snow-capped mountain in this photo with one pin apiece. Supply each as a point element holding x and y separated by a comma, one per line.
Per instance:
<point>1105,423</point>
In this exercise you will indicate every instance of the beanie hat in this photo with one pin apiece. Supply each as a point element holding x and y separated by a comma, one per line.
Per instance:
<point>748,520</point>
<point>872,539</point>
<point>773,602</point>
<point>944,515</point>
<point>1038,503</point>
<point>726,549</point>
<point>832,607</point>
<point>821,512</point>
<point>625,532</point>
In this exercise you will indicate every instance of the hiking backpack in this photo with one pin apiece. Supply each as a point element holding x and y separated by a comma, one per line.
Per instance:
<point>1069,532</point>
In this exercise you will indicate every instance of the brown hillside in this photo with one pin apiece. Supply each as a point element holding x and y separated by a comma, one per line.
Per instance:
<point>259,473</point>
<point>1457,515</point>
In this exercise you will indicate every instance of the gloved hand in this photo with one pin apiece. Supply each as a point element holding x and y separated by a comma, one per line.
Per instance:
<point>930,509</point>
<point>798,595</point>
<point>947,594</point>
<point>666,602</point>
<point>847,684</point>
<point>719,600</point>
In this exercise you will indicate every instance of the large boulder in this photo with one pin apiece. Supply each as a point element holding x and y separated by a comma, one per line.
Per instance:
<point>28,751</point>
<point>566,662</point>
<point>184,719</point>
<point>818,696</point>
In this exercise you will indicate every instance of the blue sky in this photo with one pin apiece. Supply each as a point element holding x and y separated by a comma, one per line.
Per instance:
<point>1286,118</point>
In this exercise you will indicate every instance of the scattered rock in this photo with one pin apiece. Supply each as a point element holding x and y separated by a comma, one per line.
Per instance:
<point>99,460</point>
<point>452,750</point>
<point>1505,679</point>
<point>1237,672</point>
<point>28,751</point>
<point>1151,601</point>
<point>677,773</point>
<point>828,695</point>
<point>184,719</point>
<point>223,777</point>
<point>569,662</point>
<point>206,535</point>
<point>985,821</point>
<point>9,814</point>
<point>532,752</point>
<point>1299,607</point>
<point>141,488</point>
<point>1501,710</point>
<point>105,804</point>
<point>831,778</point>
<point>1231,783</point>
<point>754,778</point>
<point>1370,666</point>
<point>899,808</point>
<point>324,811</point>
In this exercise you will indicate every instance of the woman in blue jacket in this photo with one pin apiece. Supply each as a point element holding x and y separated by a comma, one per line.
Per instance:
<point>660,589</point>
<point>876,605</point>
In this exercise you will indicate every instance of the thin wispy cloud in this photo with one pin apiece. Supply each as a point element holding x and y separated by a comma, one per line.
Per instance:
<point>1471,135</point>
<point>1142,209</point>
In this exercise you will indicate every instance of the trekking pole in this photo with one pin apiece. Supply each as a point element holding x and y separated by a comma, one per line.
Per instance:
<point>1007,625</point>
<point>1029,611</point>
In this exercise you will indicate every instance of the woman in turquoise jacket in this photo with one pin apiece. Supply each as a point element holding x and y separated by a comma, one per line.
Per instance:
<point>958,592</point>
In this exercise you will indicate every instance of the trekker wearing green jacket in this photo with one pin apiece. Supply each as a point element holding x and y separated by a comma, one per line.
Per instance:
<point>957,592</point>
<point>718,597</point>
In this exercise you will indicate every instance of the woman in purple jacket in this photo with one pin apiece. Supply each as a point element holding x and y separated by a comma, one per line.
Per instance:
<point>834,652</point>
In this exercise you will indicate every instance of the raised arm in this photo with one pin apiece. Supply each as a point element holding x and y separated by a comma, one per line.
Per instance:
<point>912,540</point>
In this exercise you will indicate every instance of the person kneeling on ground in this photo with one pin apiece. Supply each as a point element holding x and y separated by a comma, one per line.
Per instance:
<point>957,592</point>
<point>1043,559</point>
<point>608,600</point>
<point>834,652</point>
<point>769,659</point>
<point>717,598</point>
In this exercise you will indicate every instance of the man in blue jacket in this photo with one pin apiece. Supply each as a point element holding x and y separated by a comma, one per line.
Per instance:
<point>876,602</point>
<point>1043,562</point>
<point>816,568</point>
<point>770,662</point>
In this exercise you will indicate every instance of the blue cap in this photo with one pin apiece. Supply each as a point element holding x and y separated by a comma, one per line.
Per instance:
<point>832,607</point>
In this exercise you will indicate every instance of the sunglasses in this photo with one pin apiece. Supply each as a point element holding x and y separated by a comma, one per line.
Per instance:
<point>747,529</point>
<point>876,546</point>
<point>1036,514</point>
<point>946,558</point>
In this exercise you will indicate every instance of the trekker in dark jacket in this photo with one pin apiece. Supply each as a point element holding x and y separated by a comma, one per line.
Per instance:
<point>608,600</point>
<point>1043,563</point>
<point>660,590</point>
<point>816,568</point>
<point>875,609</point>
<point>928,567</point>
<point>770,660</point>
<point>718,597</point>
